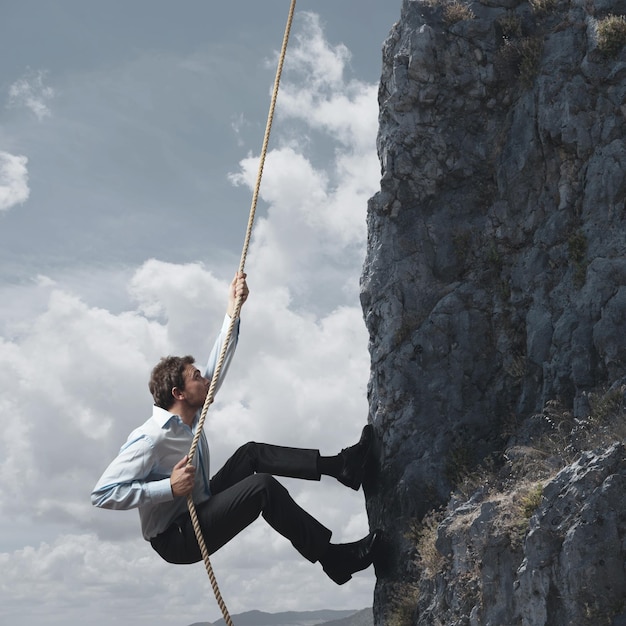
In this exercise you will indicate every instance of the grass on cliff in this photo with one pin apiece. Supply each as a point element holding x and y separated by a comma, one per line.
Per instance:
<point>429,560</point>
<point>558,439</point>
<point>516,487</point>
<point>611,33</point>
<point>453,10</point>
<point>542,7</point>
<point>577,251</point>
<point>520,57</point>
<point>456,11</point>
<point>567,436</point>
<point>403,605</point>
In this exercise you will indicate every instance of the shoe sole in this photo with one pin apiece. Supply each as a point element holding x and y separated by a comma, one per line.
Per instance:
<point>370,436</point>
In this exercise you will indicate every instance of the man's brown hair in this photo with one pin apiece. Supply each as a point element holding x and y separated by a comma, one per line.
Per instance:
<point>167,374</point>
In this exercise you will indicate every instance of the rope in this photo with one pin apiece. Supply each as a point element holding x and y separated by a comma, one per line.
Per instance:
<point>211,393</point>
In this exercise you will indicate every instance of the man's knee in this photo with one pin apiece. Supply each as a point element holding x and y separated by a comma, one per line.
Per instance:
<point>268,485</point>
<point>250,451</point>
<point>266,482</point>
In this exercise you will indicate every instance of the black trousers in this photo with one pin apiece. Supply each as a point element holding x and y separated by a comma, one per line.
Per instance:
<point>242,490</point>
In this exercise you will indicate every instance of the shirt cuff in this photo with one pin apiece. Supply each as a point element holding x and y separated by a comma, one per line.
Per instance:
<point>159,490</point>
<point>226,323</point>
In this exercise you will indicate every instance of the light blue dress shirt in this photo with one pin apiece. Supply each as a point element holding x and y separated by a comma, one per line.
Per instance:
<point>139,477</point>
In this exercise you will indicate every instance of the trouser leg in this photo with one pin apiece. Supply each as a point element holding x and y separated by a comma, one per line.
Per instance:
<point>265,458</point>
<point>228,512</point>
<point>242,490</point>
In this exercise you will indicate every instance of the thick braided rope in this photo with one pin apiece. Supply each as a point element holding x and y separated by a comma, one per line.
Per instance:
<point>220,363</point>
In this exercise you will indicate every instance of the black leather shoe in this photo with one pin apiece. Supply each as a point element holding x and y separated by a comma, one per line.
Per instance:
<point>344,559</point>
<point>354,459</point>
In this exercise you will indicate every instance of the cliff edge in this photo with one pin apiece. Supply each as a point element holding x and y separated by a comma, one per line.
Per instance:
<point>494,293</point>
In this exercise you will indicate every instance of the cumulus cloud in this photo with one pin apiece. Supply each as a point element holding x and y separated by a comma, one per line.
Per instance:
<point>77,575</point>
<point>317,211</point>
<point>75,385</point>
<point>64,382</point>
<point>184,296</point>
<point>74,381</point>
<point>13,180</point>
<point>320,93</point>
<point>238,123</point>
<point>30,92</point>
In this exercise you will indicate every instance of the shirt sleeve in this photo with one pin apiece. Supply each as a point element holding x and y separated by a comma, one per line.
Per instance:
<point>124,484</point>
<point>217,350</point>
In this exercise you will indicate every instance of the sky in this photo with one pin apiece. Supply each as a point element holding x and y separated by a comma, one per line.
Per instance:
<point>129,142</point>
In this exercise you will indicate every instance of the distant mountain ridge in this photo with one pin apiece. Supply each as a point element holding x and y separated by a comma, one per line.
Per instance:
<point>323,617</point>
<point>364,617</point>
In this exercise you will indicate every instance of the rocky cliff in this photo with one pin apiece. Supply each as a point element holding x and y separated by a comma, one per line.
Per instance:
<point>494,292</point>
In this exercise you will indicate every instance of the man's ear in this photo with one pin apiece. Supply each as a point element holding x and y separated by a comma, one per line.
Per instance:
<point>177,393</point>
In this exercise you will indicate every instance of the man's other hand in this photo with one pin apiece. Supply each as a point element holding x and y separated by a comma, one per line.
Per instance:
<point>182,478</point>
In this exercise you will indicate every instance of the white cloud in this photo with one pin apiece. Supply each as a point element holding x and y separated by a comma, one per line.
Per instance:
<point>185,296</point>
<point>320,94</point>
<point>314,57</point>
<point>13,180</point>
<point>67,383</point>
<point>73,379</point>
<point>317,212</point>
<point>79,575</point>
<point>125,582</point>
<point>30,91</point>
<point>75,385</point>
<point>238,123</point>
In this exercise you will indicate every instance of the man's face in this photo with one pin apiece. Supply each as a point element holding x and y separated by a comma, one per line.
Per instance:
<point>196,387</point>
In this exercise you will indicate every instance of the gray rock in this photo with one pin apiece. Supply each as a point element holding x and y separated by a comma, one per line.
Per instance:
<point>573,567</point>
<point>495,275</point>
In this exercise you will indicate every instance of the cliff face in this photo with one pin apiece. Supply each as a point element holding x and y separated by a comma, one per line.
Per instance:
<point>494,292</point>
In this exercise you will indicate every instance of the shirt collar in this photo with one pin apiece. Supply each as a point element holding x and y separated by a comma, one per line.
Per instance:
<point>162,416</point>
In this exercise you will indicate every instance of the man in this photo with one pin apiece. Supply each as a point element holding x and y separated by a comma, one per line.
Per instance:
<point>152,473</point>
